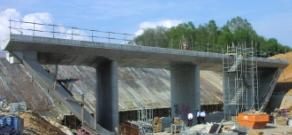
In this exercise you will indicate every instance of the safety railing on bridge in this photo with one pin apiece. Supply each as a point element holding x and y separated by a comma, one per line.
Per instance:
<point>66,32</point>
<point>74,33</point>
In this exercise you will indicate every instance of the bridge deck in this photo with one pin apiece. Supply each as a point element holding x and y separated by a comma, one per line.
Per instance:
<point>75,52</point>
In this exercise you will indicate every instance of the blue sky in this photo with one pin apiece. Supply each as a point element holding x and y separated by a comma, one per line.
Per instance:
<point>270,18</point>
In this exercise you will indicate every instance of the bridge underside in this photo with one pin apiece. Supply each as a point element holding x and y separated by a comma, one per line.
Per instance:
<point>184,67</point>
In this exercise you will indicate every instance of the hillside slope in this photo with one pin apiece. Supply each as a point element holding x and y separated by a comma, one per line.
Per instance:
<point>282,96</point>
<point>286,75</point>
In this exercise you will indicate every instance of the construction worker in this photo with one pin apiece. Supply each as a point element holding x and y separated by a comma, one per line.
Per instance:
<point>203,116</point>
<point>198,117</point>
<point>190,119</point>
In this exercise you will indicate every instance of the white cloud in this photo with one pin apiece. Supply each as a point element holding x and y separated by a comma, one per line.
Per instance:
<point>42,18</point>
<point>4,21</point>
<point>13,14</point>
<point>163,23</point>
<point>38,17</point>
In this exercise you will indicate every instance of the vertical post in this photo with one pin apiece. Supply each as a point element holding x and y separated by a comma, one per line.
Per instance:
<point>55,77</point>
<point>10,25</point>
<point>72,33</point>
<point>107,94</point>
<point>92,35</point>
<point>125,38</point>
<point>53,30</point>
<point>82,109</point>
<point>109,37</point>
<point>33,29</point>
<point>185,89</point>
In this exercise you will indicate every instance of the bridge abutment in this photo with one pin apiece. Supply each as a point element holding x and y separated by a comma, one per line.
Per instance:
<point>185,89</point>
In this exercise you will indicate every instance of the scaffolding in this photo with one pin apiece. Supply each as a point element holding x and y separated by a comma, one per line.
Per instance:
<point>145,115</point>
<point>240,80</point>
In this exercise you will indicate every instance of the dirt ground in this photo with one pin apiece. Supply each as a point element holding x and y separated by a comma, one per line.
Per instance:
<point>279,130</point>
<point>285,81</point>
<point>36,125</point>
<point>286,75</point>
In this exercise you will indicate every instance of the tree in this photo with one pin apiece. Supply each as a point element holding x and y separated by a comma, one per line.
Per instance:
<point>210,37</point>
<point>242,31</point>
<point>184,31</point>
<point>153,37</point>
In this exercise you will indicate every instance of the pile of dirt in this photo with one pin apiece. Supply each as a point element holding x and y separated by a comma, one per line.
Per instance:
<point>287,100</point>
<point>284,86</point>
<point>34,124</point>
<point>286,75</point>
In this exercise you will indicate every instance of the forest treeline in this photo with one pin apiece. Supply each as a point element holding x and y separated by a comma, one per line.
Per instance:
<point>210,37</point>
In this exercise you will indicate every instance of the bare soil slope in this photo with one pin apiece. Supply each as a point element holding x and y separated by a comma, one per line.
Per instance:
<point>282,96</point>
<point>36,125</point>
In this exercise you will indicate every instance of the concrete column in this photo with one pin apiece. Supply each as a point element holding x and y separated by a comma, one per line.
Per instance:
<point>185,90</point>
<point>107,114</point>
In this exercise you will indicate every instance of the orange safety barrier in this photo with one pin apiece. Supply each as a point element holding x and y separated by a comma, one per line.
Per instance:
<point>253,120</point>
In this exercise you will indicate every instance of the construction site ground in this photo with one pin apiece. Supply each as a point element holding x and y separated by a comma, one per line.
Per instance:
<point>269,130</point>
<point>279,130</point>
<point>34,124</point>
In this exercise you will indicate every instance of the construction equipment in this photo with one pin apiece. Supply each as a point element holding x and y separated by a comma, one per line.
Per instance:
<point>253,120</point>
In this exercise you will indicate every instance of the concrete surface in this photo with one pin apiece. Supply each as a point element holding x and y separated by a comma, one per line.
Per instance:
<point>107,111</point>
<point>185,89</point>
<point>74,52</point>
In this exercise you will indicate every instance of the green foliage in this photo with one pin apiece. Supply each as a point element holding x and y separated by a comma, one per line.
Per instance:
<point>210,37</point>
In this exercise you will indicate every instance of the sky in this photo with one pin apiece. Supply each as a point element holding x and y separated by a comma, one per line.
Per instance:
<point>270,18</point>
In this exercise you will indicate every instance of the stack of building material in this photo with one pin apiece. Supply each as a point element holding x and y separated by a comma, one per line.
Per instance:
<point>177,125</point>
<point>280,120</point>
<point>157,125</point>
<point>165,123</point>
<point>11,125</point>
<point>178,121</point>
<point>18,107</point>
<point>135,128</point>
<point>281,116</point>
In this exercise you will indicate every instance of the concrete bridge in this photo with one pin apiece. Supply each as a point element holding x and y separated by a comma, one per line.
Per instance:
<point>184,66</point>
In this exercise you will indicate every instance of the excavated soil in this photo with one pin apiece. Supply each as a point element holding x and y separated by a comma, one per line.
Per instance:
<point>286,75</point>
<point>36,125</point>
<point>284,86</point>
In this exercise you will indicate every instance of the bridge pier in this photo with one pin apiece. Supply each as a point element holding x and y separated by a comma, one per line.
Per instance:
<point>107,94</point>
<point>185,90</point>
